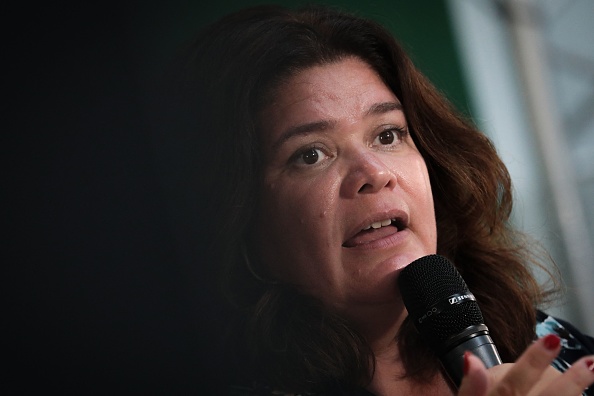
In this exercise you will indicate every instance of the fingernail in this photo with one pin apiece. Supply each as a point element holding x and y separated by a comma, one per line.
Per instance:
<point>590,364</point>
<point>466,362</point>
<point>551,341</point>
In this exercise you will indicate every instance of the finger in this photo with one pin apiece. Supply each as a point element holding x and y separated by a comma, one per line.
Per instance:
<point>573,382</point>
<point>529,367</point>
<point>475,381</point>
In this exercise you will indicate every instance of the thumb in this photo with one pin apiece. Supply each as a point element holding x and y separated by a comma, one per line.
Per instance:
<point>475,381</point>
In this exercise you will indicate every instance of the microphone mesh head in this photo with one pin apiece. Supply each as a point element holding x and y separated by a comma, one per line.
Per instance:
<point>431,280</point>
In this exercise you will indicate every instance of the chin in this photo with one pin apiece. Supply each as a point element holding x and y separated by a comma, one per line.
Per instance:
<point>380,290</point>
<point>392,266</point>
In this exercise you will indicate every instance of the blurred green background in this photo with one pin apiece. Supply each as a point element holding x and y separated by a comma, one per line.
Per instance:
<point>423,27</point>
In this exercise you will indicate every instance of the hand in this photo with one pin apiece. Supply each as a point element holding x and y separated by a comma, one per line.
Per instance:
<point>531,374</point>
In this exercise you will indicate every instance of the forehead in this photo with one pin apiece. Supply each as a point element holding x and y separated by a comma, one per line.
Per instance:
<point>337,91</point>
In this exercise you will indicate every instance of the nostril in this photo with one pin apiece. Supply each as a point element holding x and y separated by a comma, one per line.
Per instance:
<point>364,187</point>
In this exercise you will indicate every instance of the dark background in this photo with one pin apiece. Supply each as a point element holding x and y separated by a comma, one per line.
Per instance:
<point>107,280</point>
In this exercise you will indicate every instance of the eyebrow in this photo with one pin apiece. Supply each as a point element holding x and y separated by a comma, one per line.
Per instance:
<point>304,129</point>
<point>384,107</point>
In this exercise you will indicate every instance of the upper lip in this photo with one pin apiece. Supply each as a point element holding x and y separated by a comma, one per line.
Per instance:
<point>400,217</point>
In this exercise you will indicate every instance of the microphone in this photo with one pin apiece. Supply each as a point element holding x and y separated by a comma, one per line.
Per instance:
<point>446,314</point>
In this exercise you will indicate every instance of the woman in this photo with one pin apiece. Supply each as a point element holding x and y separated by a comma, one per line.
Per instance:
<point>340,165</point>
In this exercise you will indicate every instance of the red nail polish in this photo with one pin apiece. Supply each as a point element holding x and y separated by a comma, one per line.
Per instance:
<point>590,364</point>
<point>466,363</point>
<point>551,341</point>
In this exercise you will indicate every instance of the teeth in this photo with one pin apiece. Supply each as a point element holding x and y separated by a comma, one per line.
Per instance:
<point>379,224</point>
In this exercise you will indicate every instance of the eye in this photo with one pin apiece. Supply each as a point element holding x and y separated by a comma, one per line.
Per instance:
<point>386,137</point>
<point>391,136</point>
<point>310,156</point>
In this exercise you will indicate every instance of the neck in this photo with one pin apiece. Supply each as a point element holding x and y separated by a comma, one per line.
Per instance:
<point>380,324</point>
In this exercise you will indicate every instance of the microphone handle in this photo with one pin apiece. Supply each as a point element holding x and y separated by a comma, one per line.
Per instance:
<point>480,345</point>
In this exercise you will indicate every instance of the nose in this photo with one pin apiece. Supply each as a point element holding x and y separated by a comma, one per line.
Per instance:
<point>367,174</point>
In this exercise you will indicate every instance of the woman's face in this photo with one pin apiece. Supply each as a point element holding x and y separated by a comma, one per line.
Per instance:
<point>345,202</point>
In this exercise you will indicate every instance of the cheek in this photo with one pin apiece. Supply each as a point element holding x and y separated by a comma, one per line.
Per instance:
<point>426,205</point>
<point>293,227</point>
<point>418,186</point>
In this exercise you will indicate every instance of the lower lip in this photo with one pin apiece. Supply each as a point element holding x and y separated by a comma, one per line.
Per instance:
<point>392,240</point>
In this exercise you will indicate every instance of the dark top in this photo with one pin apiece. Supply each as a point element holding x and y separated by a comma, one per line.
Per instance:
<point>574,345</point>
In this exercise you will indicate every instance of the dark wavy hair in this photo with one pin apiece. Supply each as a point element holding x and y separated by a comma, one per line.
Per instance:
<point>289,341</point>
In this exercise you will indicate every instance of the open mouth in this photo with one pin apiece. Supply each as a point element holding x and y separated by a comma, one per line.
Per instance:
<point>375,231</point>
